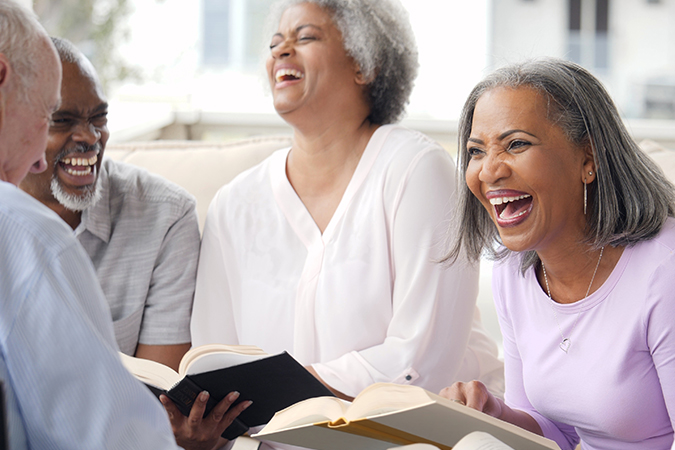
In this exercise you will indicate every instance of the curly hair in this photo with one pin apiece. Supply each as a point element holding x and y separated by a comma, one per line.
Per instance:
<point>378,36</point>
<point>631,199</point>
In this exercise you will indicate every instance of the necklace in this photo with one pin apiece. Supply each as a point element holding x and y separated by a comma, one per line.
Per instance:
<point>566,342</point>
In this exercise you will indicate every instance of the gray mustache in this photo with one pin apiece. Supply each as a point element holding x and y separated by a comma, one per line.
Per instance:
<point>79,148</point>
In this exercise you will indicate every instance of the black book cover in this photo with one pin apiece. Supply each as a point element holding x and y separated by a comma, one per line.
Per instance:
<point>272,383</point>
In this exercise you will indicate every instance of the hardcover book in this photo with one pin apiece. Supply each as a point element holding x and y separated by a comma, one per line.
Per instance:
<point>385,415</point>
<point>272,382</point>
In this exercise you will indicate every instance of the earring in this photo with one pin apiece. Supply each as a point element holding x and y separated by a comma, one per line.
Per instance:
<point>590,174</point>
<point>585,196</point>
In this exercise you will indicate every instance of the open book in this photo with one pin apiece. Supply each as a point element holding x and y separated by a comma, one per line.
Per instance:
<point>476,440</point>
<point>385,414</point>
<point>271,382</point>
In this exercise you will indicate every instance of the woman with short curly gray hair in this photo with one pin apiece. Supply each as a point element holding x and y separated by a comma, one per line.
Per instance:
<point>581,221</point>
<point>328,248</point>
<point>378,36</point>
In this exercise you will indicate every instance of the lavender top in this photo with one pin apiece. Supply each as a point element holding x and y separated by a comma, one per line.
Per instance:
<point>615,388</point>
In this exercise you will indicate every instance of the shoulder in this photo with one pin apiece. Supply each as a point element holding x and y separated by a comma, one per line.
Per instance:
<point>406,143</point>
<point>652,253</point>
<point>253,183</point>
<point>506,273</point>
<point>405,153</point>
<point>132,182</point>
<point>26,222</point>
<point>38,251</point>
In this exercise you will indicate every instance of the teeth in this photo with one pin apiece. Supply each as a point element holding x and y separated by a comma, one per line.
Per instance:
<point>502,200</point>
<point>78,173</point>
<point>501,215</point>
<point>81,161</point>
<point>284,72</point>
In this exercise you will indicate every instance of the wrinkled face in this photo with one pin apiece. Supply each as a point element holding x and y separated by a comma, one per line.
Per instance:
<point>525,172</point>
<point>308,66</point>
<point>24,131</point>
<point>77,137</point>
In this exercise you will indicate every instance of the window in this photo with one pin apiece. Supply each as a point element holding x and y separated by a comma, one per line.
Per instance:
<point>588,41</point>
<point>233,32</point>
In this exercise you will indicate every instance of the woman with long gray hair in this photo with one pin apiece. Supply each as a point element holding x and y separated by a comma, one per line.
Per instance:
<point>329,248</point>
<point>581,223</point>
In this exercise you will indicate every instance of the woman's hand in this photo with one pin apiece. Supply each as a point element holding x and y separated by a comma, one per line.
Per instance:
<point>475,395</point>
<point>197,432</point>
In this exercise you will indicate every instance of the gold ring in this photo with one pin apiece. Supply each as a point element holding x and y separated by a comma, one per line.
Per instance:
<point>458,401</point>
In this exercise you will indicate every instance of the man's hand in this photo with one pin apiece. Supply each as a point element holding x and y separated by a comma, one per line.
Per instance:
<point>197,432</point>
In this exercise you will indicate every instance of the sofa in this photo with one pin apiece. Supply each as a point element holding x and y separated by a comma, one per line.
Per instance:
<point>203,167</point>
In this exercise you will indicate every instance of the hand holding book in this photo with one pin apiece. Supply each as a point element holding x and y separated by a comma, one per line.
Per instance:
<point>475,395</point>
<point>197,432</point>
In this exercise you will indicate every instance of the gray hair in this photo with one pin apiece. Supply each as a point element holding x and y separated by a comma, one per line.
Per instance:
<point>67,50</point>
<point>378,36</point>
<point>20,33</point>
<point>632,197</point>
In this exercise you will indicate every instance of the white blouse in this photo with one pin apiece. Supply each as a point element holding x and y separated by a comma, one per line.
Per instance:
<point>366,300</point>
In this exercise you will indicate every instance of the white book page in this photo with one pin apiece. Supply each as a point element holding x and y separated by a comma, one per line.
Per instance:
<point>214,361</point>
<point>479,440</point>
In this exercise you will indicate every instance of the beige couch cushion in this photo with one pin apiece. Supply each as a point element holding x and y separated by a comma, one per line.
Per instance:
<point>200,167</point>
<point>663,157</point>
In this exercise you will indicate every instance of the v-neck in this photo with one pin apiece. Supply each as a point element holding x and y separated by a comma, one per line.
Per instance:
<point>295,210</point>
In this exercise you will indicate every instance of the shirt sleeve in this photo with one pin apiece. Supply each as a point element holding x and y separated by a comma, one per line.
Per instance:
<point>166,315</point>
<point>212,316</point>
<point>432,304</point>
<point>659,320</point>
<point>515,396</point>
<point>65,371</point>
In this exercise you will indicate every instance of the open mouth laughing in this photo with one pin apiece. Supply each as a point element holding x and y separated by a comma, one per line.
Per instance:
<point>288,74</point>
<point>510,208</point>
<point>78,167</point>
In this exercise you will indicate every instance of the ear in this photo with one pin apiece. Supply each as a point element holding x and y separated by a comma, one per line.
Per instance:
<point>360,78</point>
<point>5,75</point>
<point>589,170</point>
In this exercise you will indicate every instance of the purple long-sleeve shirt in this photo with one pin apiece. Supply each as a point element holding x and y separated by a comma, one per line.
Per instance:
<point>615,387</point>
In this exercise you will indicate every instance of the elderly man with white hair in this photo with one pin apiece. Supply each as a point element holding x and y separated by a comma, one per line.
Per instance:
<point>64,385</point>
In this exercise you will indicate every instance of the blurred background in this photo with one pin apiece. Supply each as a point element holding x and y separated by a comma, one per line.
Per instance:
<point>192,69</point>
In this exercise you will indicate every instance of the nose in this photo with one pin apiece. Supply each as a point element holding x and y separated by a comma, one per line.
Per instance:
<point>493,168</point>
<point>87,132</point>
<point>282,50</point>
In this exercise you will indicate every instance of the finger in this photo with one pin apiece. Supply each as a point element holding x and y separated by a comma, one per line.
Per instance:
<point>171,409</point>
<point>232,414</point>
<point>476,395</point>
<point>197,410</point>
<point>454,393</point>
<point>221,408</point>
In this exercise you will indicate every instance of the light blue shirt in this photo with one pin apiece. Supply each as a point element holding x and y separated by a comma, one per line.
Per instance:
<point>65,387</point>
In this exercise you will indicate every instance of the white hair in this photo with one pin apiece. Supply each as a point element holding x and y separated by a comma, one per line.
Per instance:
<point>20,33</point>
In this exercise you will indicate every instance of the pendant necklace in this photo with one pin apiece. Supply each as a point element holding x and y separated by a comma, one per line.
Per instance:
<point>566,342</point>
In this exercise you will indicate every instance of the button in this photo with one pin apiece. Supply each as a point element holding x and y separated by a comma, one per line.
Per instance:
<point>408,377</point>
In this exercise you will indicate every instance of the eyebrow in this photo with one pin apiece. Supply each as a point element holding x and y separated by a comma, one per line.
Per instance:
<point>67,112</point>
<point>299,29</point>
<point>501,136</point>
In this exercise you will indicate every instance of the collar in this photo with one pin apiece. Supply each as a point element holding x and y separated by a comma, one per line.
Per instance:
<point>96,219</point>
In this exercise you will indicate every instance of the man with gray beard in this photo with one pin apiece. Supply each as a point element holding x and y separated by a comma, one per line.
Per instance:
<point>140,230</point>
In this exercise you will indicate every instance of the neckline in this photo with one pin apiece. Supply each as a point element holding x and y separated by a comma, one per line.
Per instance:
<point>295,211</point>
<point>594,298</point>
